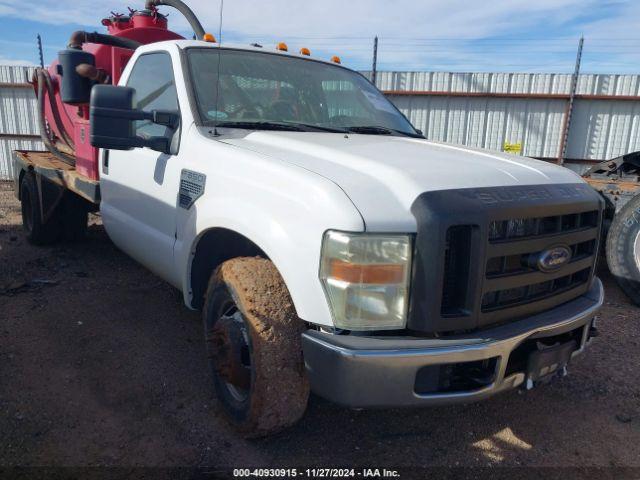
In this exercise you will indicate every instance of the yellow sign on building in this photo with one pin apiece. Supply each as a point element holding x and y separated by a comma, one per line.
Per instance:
<point>512,147</point>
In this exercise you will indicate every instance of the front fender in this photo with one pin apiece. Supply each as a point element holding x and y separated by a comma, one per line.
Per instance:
<point>286,221</point>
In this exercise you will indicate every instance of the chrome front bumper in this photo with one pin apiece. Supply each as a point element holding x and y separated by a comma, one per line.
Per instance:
<point>361,371</point>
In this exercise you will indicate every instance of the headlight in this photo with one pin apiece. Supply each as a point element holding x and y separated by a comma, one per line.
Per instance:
<point>366,279</point>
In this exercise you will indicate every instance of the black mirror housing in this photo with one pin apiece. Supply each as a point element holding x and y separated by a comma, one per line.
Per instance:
<point>108,129</point>
<point>113,116</point>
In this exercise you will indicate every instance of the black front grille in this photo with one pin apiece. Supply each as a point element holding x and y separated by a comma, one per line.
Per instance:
<point>525,262</point>
<point>511,297</point>
<point>481,254</point>
<point>520,228</point>
<point>513,275</point>
<point>456,270</point>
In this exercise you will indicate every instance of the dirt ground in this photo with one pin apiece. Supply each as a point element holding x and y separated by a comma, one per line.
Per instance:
<point>102,365</point>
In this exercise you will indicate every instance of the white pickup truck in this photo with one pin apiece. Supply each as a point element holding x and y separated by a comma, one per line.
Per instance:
<point>329,246</point>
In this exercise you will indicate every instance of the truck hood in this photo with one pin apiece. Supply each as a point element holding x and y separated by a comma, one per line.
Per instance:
<point>383,175</point>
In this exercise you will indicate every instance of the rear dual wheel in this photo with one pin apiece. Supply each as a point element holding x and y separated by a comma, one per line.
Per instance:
<point>42,226</point>
<point>254,347</point>
<point>46,219</point>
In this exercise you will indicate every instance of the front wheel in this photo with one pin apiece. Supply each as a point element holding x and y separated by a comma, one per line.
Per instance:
<point>623,249</point>
<point>254,347</point>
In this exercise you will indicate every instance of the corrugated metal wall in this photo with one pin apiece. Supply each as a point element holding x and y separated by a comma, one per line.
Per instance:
<point>603,129</point>
<point>507,82</point>
<point>488,123</point>
<point>18,116</point>
<point>600,128</point>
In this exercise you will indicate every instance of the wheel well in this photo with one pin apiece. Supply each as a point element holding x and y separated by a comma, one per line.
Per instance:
<point>215,247</point>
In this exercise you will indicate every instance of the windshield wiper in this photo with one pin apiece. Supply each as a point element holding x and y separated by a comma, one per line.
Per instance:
<point>308,127</point>
<point>289,127</point>
<point>285,126</point>
<point>319,128</point>
<point>379,130</point>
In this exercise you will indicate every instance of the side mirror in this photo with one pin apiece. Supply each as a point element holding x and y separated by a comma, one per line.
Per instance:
<point>113,117</point>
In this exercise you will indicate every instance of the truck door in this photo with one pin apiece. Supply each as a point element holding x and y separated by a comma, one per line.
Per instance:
<point>140,186</point>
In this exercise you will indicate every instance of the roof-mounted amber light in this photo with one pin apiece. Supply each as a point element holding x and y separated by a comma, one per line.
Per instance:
<point>282,47</point>
<point>305,51</point>
<point>207,37</point>
<point>336,59</point>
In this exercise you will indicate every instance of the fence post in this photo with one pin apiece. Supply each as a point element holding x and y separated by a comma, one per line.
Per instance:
<point>374,69</point>
<point>40,51</point>
<point>566,124</point>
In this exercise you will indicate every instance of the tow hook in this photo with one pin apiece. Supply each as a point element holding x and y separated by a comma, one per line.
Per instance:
<point>563,372</point>
<point>548,362</point>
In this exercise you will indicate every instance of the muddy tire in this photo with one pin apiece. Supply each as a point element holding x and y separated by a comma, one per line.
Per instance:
<point>74,217</point>
<point>38,232</point>
<point>623,249</point>
<point>254,347</point>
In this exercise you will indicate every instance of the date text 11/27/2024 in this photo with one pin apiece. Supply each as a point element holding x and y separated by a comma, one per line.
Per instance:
<point>315,473</point>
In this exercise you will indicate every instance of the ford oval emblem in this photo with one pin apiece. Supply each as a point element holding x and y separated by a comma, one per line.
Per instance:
<point>554,258</point>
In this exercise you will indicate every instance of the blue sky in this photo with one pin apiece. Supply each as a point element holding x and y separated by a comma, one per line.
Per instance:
<point>450,35</point>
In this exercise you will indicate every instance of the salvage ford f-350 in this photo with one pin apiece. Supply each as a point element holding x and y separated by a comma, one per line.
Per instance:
<point>329,246</point>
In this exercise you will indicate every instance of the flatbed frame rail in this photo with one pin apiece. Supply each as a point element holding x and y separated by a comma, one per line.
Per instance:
<point>58,172</point>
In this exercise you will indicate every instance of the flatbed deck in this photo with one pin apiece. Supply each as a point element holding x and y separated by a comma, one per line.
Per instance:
<point>58,172</point>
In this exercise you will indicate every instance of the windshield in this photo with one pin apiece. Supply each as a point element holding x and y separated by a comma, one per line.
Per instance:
<point>265,91</point>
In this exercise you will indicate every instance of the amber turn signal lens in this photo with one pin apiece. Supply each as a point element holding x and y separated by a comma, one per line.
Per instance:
<point>282,47</point>
<point>377,274</point>
<point>209,38</point>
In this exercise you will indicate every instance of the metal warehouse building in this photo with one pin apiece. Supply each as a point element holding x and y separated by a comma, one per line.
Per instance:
<point>18,116</point>
<point>524,114</point>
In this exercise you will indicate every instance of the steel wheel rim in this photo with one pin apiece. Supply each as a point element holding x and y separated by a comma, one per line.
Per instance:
<point>238,394</point>
<point>233,313</point>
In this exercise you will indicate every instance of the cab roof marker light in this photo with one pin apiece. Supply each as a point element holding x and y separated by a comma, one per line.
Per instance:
<point>336,59</point>
<point>282,47</point>
<point>207,37</point>
<point>305,51</point>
